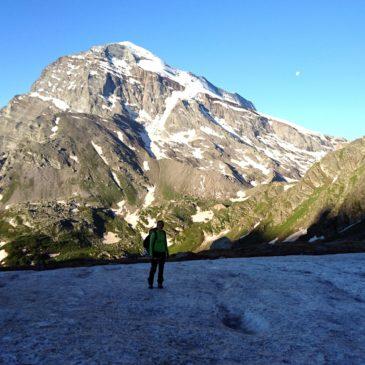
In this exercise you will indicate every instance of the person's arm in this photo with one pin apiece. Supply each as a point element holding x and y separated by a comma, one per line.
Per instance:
<point>152,242</point>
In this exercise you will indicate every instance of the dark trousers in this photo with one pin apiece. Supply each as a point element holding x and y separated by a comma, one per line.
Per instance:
<point>158,259</point>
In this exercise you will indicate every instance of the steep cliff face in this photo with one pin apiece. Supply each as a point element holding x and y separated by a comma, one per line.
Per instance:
<point>117,128</point>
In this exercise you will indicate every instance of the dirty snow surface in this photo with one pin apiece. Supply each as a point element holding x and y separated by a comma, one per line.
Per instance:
<point>283,310</point>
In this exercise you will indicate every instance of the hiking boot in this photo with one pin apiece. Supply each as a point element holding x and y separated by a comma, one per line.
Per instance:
<point>150,286</point>
<point>160,286</point>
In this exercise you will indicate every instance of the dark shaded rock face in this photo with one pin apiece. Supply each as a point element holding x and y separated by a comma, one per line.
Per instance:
<point>223,243</point>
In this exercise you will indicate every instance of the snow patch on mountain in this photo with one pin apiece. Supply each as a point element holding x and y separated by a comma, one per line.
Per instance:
<point>99,151</point>
<point>197,153</point>
<point>115,178</point>
<point>151,222</point>
<point>121,207</point>
<point>121,66</point>
<point>60,104</point>
<point>3,253</point>
<point>132,218</point>
<point>54,129</point>
<point>184,137</point>
<point>110,238</point>
<point>210,131</point>
<point>229,106</point>
<point>193,85</point>
<point>202,216</point>
<point>350,226</point>
<point>150,196</point>
<point>146,166</point>
<point>241,196</point>
<point>249,162</point>
<point>156,126</point>
<point>288,186</point>
<point>75,158</point>
<point>295,236</point>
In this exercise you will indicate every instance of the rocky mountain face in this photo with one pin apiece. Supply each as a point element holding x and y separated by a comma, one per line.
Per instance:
<point>112,138</point>
<point>326,204</point>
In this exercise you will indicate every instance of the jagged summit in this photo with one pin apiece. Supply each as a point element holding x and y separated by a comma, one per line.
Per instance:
<point>121,53</point>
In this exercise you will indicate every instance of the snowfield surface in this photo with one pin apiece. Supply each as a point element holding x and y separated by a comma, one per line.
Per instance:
<point>282,310</point>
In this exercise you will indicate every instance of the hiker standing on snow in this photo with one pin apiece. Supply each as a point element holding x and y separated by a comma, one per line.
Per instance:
<point>159,252</point>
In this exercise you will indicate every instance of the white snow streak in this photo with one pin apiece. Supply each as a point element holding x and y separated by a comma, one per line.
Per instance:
<point>99,151</point>
<point>273,241</point>
<point>241,196</point>
<point>288,186</point>
<point>75,158</point>
<point>210,131</point>
<point>3,253</point>
<point>121,66</point>
<point>315,238</point>
<point>13,222</point>
<point>296,235</point>
<point>60,104</point>
<point>202,216</point>
<point>54,129</point>
<point>120,207</point>
<point>350,226</point>
<point>248,162</point>
<point>184,137</point>
<point>150,196</point>
<point>120,136</point>
<point>115,177</point>
<point>146,166</point>
<point>132,218</point>
<point>197,153</point>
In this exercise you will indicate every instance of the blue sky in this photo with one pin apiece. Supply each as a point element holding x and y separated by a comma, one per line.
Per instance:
<point>298,60</point>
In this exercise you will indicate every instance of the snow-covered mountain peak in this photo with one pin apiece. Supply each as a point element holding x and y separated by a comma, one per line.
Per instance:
<point>216,139</point>
<point>147,60</point>
<point>124,55</point>
<point>139,51</point>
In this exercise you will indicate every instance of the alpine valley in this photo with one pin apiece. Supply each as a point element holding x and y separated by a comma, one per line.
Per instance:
<point>110,140</point>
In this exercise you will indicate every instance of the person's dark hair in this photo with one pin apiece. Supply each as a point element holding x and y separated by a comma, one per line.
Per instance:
<point>160,224</point>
